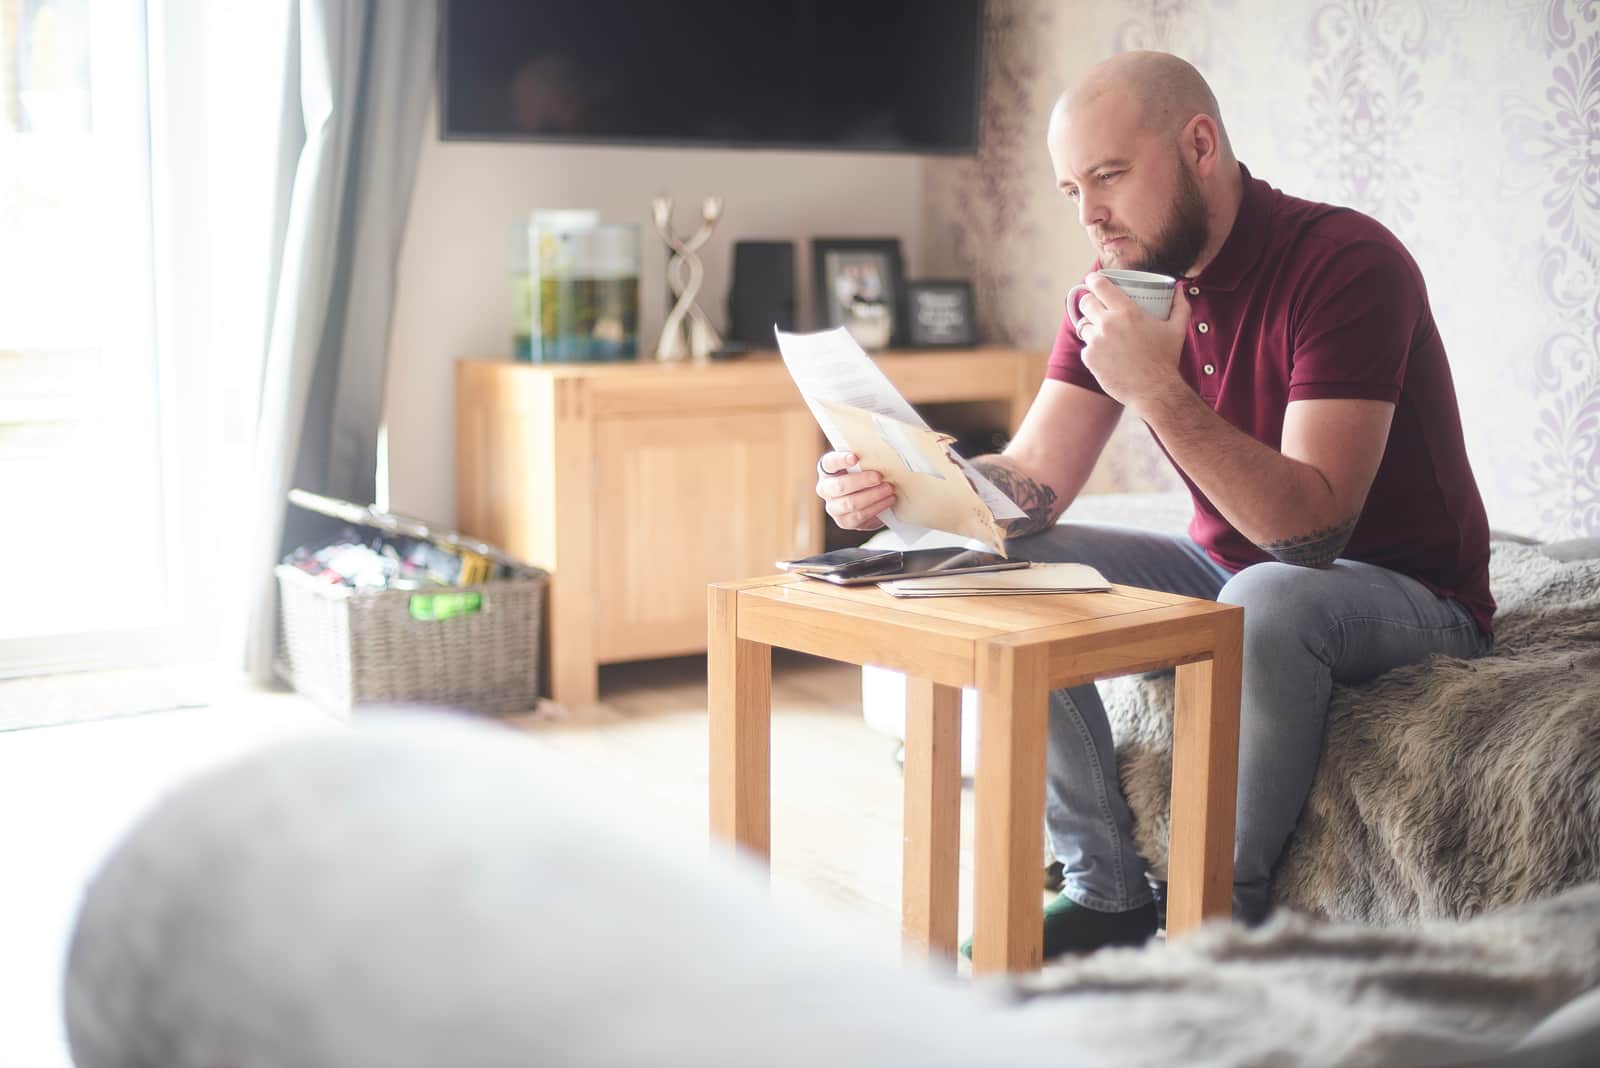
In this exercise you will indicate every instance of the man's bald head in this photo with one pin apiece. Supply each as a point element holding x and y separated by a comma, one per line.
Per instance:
<point>1138,146</point>
<point>1156,90</point>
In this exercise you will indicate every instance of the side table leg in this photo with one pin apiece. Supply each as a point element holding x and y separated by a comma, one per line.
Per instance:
<point>739,690</point>
<point>1008,898</point>
<point>931,859</point>
<point>1205,778</point>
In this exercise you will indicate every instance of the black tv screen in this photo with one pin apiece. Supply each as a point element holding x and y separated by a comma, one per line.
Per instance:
<point>884,75</point>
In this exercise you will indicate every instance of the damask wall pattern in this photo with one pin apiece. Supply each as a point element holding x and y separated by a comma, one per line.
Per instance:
<point>1471,128</point>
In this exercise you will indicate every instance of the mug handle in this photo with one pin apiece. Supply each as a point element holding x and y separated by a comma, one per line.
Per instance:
<point>1072,307</point>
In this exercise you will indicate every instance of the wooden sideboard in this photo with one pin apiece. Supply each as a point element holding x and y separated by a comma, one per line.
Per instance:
<point>636,485</point>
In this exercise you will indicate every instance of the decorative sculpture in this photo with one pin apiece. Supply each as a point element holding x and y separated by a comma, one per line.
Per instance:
<point>685,274</point>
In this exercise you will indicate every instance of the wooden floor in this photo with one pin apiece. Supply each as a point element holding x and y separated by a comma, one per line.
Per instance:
<point>836,786</point>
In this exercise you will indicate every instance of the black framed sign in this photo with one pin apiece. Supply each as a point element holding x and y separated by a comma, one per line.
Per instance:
<point>858,285</point>
<point>939,314</point>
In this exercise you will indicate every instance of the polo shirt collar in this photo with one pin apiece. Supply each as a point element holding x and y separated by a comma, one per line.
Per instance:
<point>1245,241</point>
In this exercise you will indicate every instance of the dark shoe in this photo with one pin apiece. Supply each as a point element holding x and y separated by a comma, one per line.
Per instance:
<point>1053,879</point>
<point>1073,928</point>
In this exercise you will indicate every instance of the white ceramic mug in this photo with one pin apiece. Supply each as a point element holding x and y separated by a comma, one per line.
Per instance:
<point>1152,292</point>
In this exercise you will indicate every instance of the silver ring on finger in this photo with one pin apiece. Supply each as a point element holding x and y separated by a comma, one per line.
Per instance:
<point>825,473</point>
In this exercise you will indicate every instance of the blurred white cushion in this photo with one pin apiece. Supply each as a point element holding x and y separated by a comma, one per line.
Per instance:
<point>883,704</point>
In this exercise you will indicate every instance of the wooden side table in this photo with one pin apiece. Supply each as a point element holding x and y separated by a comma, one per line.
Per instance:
<point>1014,650</point>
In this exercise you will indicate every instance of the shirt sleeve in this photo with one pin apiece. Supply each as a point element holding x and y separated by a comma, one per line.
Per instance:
<point>1357,324</point>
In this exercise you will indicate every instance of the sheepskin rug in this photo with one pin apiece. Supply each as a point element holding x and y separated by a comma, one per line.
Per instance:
<point>1447,788</point>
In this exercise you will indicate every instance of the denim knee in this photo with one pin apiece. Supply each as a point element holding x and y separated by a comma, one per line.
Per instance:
<point>1281,605</point>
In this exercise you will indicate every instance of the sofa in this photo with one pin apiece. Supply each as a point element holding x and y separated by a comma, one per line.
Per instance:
<point>439,890</point>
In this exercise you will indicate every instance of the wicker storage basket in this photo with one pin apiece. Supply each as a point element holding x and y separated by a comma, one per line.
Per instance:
<point>343,647</point>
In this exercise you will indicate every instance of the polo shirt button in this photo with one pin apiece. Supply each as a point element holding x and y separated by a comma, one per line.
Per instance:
<point>1203,328</point>
<point>1210,368</point>
<point>1194,291</point>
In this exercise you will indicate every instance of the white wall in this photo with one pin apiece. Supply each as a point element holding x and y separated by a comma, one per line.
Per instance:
<point>453,297</point>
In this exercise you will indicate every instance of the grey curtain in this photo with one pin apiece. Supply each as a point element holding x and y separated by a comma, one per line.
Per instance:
<point>360,73</point>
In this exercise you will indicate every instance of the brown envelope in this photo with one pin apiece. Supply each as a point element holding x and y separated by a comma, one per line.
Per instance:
<point>931,490</point>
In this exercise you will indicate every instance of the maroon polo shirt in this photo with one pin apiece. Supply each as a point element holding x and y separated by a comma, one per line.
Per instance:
<point>1306,301</point>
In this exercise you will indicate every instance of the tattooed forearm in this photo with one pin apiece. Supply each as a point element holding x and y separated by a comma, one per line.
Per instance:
<point>1034,498</point>
<point>1316,549</point>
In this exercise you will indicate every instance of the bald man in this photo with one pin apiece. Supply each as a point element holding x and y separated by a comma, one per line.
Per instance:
<point>1301,390</point>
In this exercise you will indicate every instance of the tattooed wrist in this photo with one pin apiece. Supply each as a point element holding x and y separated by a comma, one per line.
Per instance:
<point>1035,498</point>
<point>1319,548</point>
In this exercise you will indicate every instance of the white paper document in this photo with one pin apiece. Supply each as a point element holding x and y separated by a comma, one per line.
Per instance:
<point>1039,578</point>
<point>831,367</point>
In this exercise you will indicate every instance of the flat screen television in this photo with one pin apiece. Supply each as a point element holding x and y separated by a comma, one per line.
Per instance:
<point>868,75</point>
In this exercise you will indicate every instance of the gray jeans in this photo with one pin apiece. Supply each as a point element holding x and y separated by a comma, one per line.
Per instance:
<point>1304,630</point>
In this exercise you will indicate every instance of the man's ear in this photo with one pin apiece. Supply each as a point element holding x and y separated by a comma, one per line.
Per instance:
<point>1200,143</point>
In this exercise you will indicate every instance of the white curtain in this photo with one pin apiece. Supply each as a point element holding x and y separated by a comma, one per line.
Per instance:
<point>360,72</point>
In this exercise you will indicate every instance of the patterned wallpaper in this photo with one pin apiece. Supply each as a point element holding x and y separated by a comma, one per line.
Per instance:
<point>1471,128</point>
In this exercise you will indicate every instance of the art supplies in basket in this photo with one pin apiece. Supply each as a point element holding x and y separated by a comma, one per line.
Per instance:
<point>382,549</point>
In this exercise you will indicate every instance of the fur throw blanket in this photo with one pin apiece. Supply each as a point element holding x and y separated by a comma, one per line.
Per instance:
<point>1295,992</point>
<point>1446,788</point>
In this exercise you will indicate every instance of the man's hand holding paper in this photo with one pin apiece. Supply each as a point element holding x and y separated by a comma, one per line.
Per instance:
<point>833,373</point>
<point>853,499</point>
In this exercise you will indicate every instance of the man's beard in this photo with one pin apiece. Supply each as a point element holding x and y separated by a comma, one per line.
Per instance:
<point>1180,242</point>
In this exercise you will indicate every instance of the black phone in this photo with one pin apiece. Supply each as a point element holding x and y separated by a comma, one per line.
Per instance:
<point>852,561</point>
<point>918,562</point>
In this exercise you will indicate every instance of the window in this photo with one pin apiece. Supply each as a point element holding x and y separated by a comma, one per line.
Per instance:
<point>139,162</point>
<point>84,445</point>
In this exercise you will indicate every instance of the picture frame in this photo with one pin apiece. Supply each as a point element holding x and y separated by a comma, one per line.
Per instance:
<point>858,283</point>
<point>939,314</point>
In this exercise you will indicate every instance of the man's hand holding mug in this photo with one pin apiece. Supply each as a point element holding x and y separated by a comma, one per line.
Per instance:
<point>1133,325</point>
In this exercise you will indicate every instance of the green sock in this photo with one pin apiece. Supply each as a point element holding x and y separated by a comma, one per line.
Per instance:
<point>1073,928</point>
